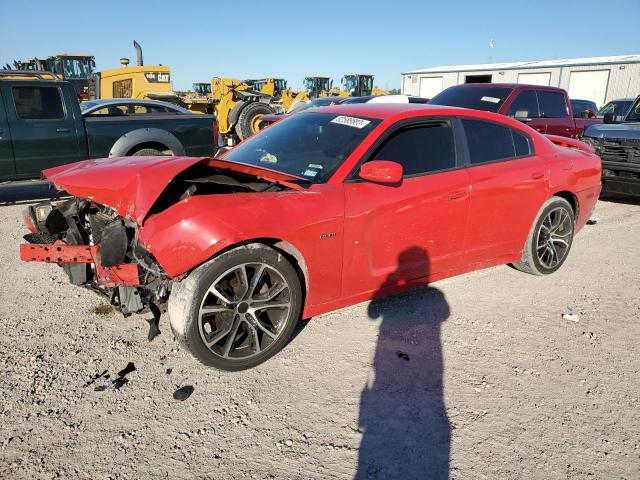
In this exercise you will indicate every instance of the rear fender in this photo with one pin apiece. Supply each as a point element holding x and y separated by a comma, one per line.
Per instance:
<point>130,140</point>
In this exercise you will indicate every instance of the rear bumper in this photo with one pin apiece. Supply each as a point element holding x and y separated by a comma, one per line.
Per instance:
<point>126,274</point>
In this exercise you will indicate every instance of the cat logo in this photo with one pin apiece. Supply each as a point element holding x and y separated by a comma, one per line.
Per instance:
<point>157,77</point>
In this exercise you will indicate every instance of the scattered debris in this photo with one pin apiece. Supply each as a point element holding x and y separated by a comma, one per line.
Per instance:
<point>102,309</point>
<point>183,393</point>
<point>96,377</point>
<point>592,221</point>
<point>120,380</point>
<point>570,315</point>
<point>402,355</point>
<point>169,370</point>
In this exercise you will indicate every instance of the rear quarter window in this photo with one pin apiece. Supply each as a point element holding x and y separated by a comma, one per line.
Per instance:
<point>38,103</point>
<point>491,142</point>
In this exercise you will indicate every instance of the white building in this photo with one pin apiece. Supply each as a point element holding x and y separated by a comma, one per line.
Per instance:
<point>600,79</point>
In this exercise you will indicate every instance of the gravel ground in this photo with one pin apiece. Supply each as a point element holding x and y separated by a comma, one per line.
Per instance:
<point>493,383</point>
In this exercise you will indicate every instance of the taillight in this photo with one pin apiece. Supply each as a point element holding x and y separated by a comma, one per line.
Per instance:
<point>83,96</point>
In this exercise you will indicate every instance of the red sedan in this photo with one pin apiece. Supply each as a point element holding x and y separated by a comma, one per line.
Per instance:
<point>322,210</point>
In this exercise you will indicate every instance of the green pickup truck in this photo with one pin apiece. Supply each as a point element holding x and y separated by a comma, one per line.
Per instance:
<point>42,126</point>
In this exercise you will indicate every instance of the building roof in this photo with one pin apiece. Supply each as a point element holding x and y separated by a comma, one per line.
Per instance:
<point>566,62</point>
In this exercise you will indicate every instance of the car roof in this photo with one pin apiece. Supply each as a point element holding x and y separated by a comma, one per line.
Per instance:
<point>111,101</point>
<point>515,86</point>
<point>386,110</point>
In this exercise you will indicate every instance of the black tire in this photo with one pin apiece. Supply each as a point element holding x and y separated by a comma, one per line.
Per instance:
<point>191,327</point>
<point>249,119</point>
<point>537,255</point>
<point>148,152</point>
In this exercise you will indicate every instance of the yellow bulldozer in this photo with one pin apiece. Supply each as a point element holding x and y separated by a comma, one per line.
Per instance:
<point>140,81</point>
<point>359,85</point>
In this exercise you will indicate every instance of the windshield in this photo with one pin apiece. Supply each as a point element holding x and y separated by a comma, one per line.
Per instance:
<point>77,67</point>
<point>202,88</point>
<point>634,113</point>
<point>309,145</point>
<point>616,107</point>
<point>489,99</point>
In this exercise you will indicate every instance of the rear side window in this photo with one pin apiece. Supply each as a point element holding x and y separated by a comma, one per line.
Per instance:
<point>526,101</point>
<point>38,103</point>
<point>148,109</point>
<point>490,142</point>
<point>421,149</point>
<point>553,105</point>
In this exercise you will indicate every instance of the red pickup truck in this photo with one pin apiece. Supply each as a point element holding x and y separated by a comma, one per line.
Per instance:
<point>546,109</point>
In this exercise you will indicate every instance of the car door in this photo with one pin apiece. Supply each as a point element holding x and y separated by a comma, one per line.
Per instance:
<point>509,183</point>
<point>42,127</point>
<point>556,113</point>
<point>7,163</point>
<point>398,233</point>
<point>526,108</point>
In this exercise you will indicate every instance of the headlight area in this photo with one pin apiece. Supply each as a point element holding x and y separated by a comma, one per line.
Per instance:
<point>97,249</point>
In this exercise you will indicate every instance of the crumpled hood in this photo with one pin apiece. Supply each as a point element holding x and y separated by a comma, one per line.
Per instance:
<point>630,131</point>
<point>129,185</point>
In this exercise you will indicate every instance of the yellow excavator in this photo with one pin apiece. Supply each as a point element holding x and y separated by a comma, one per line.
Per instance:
<point>140,81</point>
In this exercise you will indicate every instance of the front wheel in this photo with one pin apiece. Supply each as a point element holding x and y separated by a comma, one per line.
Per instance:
<point>550,238</point>
<point>237,310</point>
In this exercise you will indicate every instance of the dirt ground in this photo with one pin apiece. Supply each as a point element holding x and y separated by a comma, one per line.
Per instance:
<point>494,383</point>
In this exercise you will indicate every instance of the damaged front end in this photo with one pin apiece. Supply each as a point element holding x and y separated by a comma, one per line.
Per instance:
<point>98,249</point>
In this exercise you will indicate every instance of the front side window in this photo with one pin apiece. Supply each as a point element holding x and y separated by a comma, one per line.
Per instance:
<point>489,99</point>
<point>526,103</point>
<point>553,105</point>
<point>634,113</point>
<point>490,142</point>
<point>421,149</point>
<point>308,145</point>
<point>38,103</point>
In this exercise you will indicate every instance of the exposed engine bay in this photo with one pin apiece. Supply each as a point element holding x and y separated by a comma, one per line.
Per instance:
<point>100,250</point>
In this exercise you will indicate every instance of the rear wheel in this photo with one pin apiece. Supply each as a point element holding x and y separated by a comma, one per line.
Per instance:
<point>550,238</point>
<point>148,152</point>
<point>249,120</point>
<point>237,310</point>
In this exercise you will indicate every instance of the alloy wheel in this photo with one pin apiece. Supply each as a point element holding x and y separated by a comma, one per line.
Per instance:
<point>244,311</point>
<point>554,237</point>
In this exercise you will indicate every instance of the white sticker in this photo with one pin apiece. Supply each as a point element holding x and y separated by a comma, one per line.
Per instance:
<point>268,158</point>
<point>490,99</point>
<point>315,165</point>
<point>310,173</point>
<point>351,121</point>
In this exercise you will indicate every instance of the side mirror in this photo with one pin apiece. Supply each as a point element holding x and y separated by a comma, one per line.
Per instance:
<point>609,118</point>
<point>522,116</point>
<point>381,171</point>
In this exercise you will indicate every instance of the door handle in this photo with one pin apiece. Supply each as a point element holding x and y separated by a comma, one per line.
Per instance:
<point>537,175</point>
<point>62,129</point>
<point>457,194</point>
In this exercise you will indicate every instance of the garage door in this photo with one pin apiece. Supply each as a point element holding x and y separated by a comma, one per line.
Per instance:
<point>430,86</point>
<point>535,78</point>
<point>590,85</point>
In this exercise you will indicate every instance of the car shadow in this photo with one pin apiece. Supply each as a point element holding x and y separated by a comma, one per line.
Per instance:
<point>403,418</point>
<point>615,198</point>
<point>16,193</point>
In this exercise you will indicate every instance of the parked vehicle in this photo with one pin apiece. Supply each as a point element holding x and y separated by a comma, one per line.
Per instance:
<point>327,208</point>
<point>618,108</point>
<point>545,109</point>
<point>584,108</point>
<point>41,126</point>
<point>117,107</point>
<point>267,120</point>
<point>618,144</point>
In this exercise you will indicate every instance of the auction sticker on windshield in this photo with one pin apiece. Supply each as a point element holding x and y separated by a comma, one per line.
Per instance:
<point>490,99</point>
<point>351,121</point>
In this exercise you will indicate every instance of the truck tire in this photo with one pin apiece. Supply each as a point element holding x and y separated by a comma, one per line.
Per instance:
<point>249,119</point>
<point>148,152</point>
<point>550,238</point>
<point>237,310</point>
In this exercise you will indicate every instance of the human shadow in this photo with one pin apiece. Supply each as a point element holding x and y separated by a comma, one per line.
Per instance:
<point>406,431</point>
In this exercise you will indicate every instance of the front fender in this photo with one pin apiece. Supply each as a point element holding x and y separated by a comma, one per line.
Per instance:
<point>146,135</point>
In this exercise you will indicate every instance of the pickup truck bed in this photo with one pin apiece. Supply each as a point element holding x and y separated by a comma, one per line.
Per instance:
<point>41,126</point>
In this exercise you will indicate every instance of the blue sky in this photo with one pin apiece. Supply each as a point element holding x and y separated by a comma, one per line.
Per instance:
<point>201,39</point>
